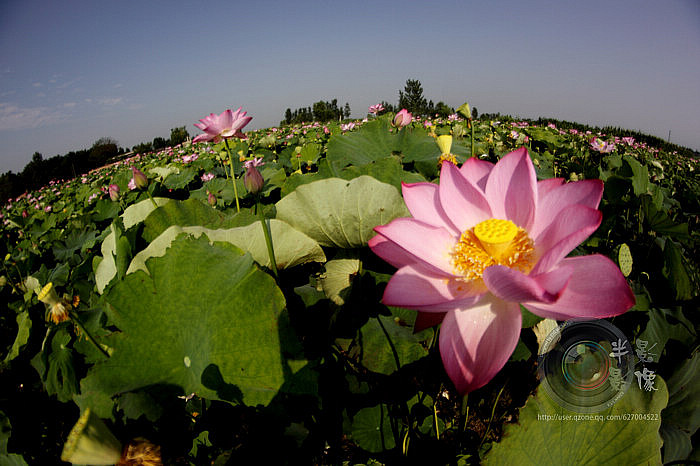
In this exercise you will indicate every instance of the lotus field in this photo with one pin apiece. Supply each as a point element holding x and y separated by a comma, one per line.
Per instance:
<point>393,290</point>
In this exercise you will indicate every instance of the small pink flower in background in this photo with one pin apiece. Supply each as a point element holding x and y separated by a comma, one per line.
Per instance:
<point>402,118</point>
<point>452,117</point>
<point>190,158</point>
<point>514,134</point>
<point>24,214</point>
<point>601,146</point>
<point>207,177</point>
<point>628,140</point>
<point>552,125</point>
<point>326,130</point>
<point>488,238</point>
<point>224,126</point>
<point>376,108</point>
<point>347,126</point>
<point>131,185</point>
<point>47,208</point>
<point>427,124</point>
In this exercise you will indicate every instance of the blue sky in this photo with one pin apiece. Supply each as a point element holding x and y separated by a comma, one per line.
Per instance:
<point>76,70</point>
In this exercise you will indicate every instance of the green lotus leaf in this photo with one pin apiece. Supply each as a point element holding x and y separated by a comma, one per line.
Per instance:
<point>291,246</point>
<point>534,440</point>
<point>204,320</point>
<point>681,417</point>
<point>378,354</point>
<point>341,213</point>
<point>136,213</point>
<point>338,278</point>
<point>371,429</point>
<point>190,213</point>
<point>374,141</point>
<point>24,327</point>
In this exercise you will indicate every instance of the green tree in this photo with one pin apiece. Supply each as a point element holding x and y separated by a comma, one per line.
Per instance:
<point>159,143</point>
<point>178,135</point>
<point>411,98</point>
<point>475,113</point>
<point>347,110</point>
<point>443,110</point>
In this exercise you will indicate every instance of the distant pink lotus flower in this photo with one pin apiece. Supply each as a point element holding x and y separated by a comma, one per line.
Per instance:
<point>628,140</point>
<point>402,118</point>
<point>347,126</point>
<point>224,126</point>
<point>604,147</point>
<point>376,108</point>
<point>487,239</point>
<point>207,177</point>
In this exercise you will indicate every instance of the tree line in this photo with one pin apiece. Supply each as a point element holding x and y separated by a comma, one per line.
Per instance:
<point>40,171</point>
<point>411,98</point>
<point>321,111</point>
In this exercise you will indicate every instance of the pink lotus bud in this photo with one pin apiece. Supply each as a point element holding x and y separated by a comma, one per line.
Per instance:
<point>140,180</point>
<point>402,118</point>
<point>253,180</point>
<point>211,199</point>
<point>114,192</point>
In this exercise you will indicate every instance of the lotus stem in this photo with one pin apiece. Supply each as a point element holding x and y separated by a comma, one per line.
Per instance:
<point>155,206</point>
<point>471,124</point>
<point>233,175</point>
<point>80,325</point>
<point>268,240</point>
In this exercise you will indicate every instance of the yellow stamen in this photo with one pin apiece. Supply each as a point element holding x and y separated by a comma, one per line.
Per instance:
<point>492,242</point>
<point>59,312</point>
<point>448,158</point>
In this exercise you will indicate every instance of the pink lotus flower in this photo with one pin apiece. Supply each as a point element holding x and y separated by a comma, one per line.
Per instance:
<point>402,118</point>
<point>224,126</point>
<point>486,239</point>
<point>376,108</point>
<point>347,126</point>
<point>601,146</point>
<point>207,177</point>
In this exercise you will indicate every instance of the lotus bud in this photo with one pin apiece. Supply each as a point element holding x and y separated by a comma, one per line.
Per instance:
<point>140,180</point>
<point>91,442</point>
<point>253,180</point>
<point>114,192</point>
<point>211,199</point>
<point>402,118</point>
